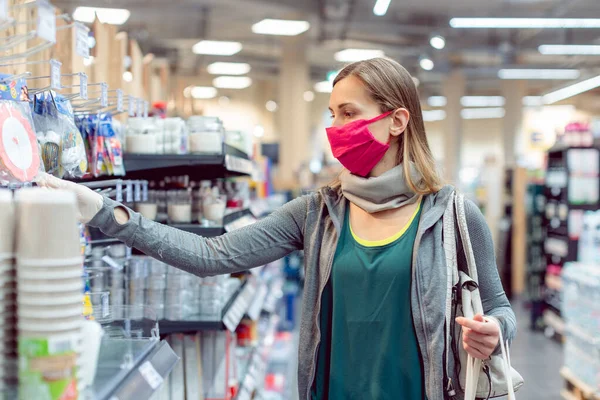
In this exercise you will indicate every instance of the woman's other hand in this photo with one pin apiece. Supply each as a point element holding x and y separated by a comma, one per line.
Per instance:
<point>480,336</point>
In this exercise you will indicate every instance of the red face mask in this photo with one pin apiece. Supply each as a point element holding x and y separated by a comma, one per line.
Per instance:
<point>355,146</point>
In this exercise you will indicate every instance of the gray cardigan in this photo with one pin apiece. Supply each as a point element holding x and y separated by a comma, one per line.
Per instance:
<point>312,223</point>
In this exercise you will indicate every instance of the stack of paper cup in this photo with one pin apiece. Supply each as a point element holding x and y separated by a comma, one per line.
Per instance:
<point>49,293</point>
<point>8,345</point>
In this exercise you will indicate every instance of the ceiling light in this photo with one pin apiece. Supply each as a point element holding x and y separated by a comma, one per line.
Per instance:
<point>127,76</point>
<point>436,101</point>
<point>381,7</point>
<point>533,101</point>
<point>572,90</point>
<point>259,131</point>
<point>482,113</point>
<point>434,115</point>
<point>91,41</point>
<point>217,48</point>
<point>308,96</point>
<point>113,16</point>
<point>482,101</point>
<point>353,55</point>
<point>323,87</point>
<point>88,61</point>
<point>426,63</point>
<point>232,82</point>
<point>281,27</point>
<point>525,23</point>
<point>271,106</point>
<point>228,68</point>
<point>437,42</point>
<point>538,74</point>
<point>570,49</point>
<point>203,92</point>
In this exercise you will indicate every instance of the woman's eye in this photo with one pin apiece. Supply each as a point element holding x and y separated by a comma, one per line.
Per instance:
<point>332,116</point>
<point>348,114</point>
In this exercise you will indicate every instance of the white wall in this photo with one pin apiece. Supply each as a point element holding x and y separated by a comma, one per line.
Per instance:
<point>481,138</point>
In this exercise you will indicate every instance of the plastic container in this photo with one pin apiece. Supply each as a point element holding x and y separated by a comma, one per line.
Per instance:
<point>56,211</point>
<point>56,298</point>
<point>51,312</point>
<point>50,286</point>
<point>62,272</point>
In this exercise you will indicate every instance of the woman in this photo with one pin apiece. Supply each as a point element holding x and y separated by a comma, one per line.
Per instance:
<point>373,313</point>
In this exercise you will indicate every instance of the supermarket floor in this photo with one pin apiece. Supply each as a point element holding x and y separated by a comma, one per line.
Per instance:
<point>538,359</point>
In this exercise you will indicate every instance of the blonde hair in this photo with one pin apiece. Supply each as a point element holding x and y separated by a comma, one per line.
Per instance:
<point>392,87</point>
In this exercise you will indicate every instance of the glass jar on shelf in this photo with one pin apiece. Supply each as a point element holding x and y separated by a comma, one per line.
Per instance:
<point>213,208</point>
<point>179,208</point>
<point>206,135</point>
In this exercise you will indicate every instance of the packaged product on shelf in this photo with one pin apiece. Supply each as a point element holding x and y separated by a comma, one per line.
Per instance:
<point>105,152</point>
<point>581,311</point>
<point>63,150</point>
<point>206,135</point>
<point>213,207</point>
<point>141,136</point>
<point>179,206</point>
<point>20,156</point>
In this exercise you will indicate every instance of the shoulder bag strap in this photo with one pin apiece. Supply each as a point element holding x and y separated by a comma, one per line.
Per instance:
<point>464,236</point>
<point>449,240</point>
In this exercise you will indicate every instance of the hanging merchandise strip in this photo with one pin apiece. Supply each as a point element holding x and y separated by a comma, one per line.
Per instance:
<point>140,108</point>
<point>104,94</point>
<point>119,101</point>
<point>83,85</point>
<point>131,106</point>
<point>55,74</point>
<point>46,23</point>
<point>146,105</point>
<point>81,40</point>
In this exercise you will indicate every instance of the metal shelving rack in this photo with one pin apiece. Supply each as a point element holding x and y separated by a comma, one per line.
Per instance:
<point>560,245</point>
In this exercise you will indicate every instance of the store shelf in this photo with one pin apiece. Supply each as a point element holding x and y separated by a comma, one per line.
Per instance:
<point>231,315</point>
<point>582,389</point>
<point>231,163</point>
<point>131,368</point>
<point>257,364</point>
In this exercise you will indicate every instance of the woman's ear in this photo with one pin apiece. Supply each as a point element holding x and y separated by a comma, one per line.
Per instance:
<point>400,118</point>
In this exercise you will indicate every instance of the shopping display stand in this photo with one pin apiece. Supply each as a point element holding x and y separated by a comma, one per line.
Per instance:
<point>575,389</point>
<point>560,243</point>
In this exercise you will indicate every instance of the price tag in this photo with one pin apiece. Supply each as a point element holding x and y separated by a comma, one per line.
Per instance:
<point>146,105</point>
<point>131,106</point>
<point>104,94</point>
<point>55,75</point>
<point>83,85</point>
<point>119,100</point>
<point>137,192</point>
<point>145,191</point>
<point>129,192</point>
<point>111,263</point>
<point>81,40</point>
<point>119,196</point>
<point>140,108</point>
<point>150,375</point>
<point>46,22</point>
<point>3,10</point>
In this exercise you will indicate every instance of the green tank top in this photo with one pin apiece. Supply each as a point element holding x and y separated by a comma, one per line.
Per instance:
<point>368,347</point>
